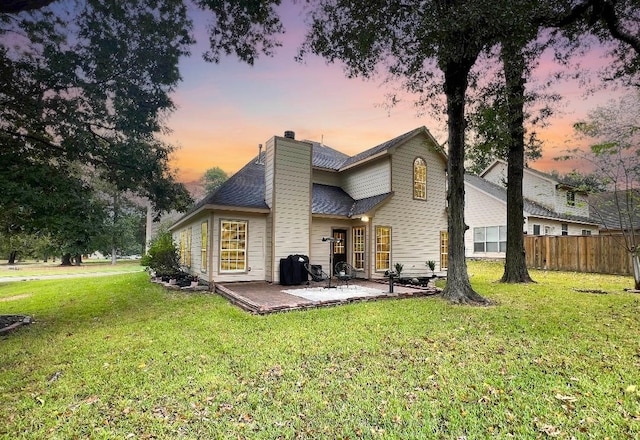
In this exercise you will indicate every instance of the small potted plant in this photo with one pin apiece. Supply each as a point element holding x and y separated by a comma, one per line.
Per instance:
<point>432,265</point>
<point>399,267</point>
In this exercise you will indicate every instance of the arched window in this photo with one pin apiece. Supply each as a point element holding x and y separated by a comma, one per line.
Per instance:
<point>419,179</point>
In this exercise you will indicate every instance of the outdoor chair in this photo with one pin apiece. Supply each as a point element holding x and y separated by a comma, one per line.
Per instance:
<point>344,272</point>
<point>317,274</point>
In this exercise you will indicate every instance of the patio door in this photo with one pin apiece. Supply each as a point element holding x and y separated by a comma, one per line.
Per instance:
<point>339,247</point>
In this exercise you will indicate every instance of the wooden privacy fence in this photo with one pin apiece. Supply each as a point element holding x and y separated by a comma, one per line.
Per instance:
<point>578,253</point>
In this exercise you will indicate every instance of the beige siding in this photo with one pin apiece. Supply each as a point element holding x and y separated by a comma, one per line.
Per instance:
<point>415,224</point>
<point>256,239</point>
<point>196,246</point>
<point>269,171</point>
<point>481,210</point>
<point>319,250</point>
<point>370,180</point>
<point>291,208</point>
<point>326,178</point>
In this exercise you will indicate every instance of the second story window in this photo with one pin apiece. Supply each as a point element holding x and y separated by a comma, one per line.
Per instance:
<point>571,198</point>
<point>419,179</point>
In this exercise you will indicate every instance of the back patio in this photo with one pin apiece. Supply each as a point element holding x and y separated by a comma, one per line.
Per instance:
<point>260,297</point>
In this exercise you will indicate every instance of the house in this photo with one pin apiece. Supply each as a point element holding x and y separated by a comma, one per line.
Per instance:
<point>383,206</point>
<point>550,208</point>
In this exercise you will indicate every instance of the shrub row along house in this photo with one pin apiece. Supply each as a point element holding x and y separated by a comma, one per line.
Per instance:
<point>550,208</point>
<point>383,206</point>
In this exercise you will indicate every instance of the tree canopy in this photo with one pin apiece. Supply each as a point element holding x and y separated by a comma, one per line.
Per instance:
<point>84,93</point>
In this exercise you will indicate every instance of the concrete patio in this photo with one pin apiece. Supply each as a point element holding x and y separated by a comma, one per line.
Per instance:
<point>262,297</point>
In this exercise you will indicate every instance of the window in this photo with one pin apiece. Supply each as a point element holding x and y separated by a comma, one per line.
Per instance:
<point>586,232</point>
<point>420,179</point>
<point>536,229</point>
<point>233,246</point>
<point>490,239</point>
<point>565,229</point>
<point>185,247</point>
<point>204,237</point>
<point>383,248</point>
<point>571,198</point>
<point>444,249</point>
<point>358,247</point>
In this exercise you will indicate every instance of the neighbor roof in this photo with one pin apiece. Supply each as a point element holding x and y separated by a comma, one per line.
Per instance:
<point>532,208</point>
<point>603,207</point>
<point>550,177</point>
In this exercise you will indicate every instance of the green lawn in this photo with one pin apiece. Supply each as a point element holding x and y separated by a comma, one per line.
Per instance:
<point>119,357</point>
<point>31,268</point>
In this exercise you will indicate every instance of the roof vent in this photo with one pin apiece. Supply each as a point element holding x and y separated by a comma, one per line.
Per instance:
<point>290,134</point>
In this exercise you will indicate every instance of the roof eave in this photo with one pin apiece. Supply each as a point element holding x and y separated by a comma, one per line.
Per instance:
<point>365,160</point>
<point>211,207</point>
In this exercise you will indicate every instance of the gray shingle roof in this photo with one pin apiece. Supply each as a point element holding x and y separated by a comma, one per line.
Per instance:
<point>382,147</point>
<point>363,206</point>
<point>530,207</point>
<point>326,157</point>
<point>612,216</point>
<point>333,200</point>
<point>330,200</point>
<point>244,189</point>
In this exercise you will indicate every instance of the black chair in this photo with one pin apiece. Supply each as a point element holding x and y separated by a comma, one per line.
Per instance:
<point>344,272</point>
<point>316,273</point>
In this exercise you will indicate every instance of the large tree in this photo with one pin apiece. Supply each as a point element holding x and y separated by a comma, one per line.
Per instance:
<point>83,93</point>
<point>90,82</point>
<point>614,23</point>
<point>213,178</point>
<point>431,47</point>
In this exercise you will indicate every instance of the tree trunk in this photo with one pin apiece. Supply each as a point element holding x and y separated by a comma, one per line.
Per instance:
<point>78,259</point>
<point>114,258</point>
<point>66,260</point>
<point>458,288</point>
<point>635,258</point>
<point>12,257</point>
<point>515,266</point>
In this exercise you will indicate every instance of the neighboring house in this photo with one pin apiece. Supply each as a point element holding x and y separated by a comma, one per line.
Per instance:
<point>617,212</point>
<point>387,205</point>
<point>550,208</point>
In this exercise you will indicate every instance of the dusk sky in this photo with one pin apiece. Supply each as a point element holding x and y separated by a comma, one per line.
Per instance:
<point>225,110</point>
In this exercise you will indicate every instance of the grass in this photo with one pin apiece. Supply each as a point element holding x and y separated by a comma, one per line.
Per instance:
<point>28,269</point>
<point>119,357</point>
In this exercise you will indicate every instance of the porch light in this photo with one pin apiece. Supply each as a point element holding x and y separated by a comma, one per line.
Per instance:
<point>364,218</point>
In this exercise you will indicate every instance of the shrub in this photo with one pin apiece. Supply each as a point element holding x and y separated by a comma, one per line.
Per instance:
<point>163,257</point>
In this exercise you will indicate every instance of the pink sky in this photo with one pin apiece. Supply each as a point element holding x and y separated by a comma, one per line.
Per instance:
<point>225,110</point>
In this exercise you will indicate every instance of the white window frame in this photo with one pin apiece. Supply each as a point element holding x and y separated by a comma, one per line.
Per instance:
<point>358,234</point>
<point>420,179</point>
<point>383,249</point>
<point>490,239</point>
<point>230,254</point>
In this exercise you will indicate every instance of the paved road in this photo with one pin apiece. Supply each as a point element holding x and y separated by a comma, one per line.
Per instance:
<point>63,276</point>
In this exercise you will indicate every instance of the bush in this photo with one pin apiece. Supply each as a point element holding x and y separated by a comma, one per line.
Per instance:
<point>163,257</point>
